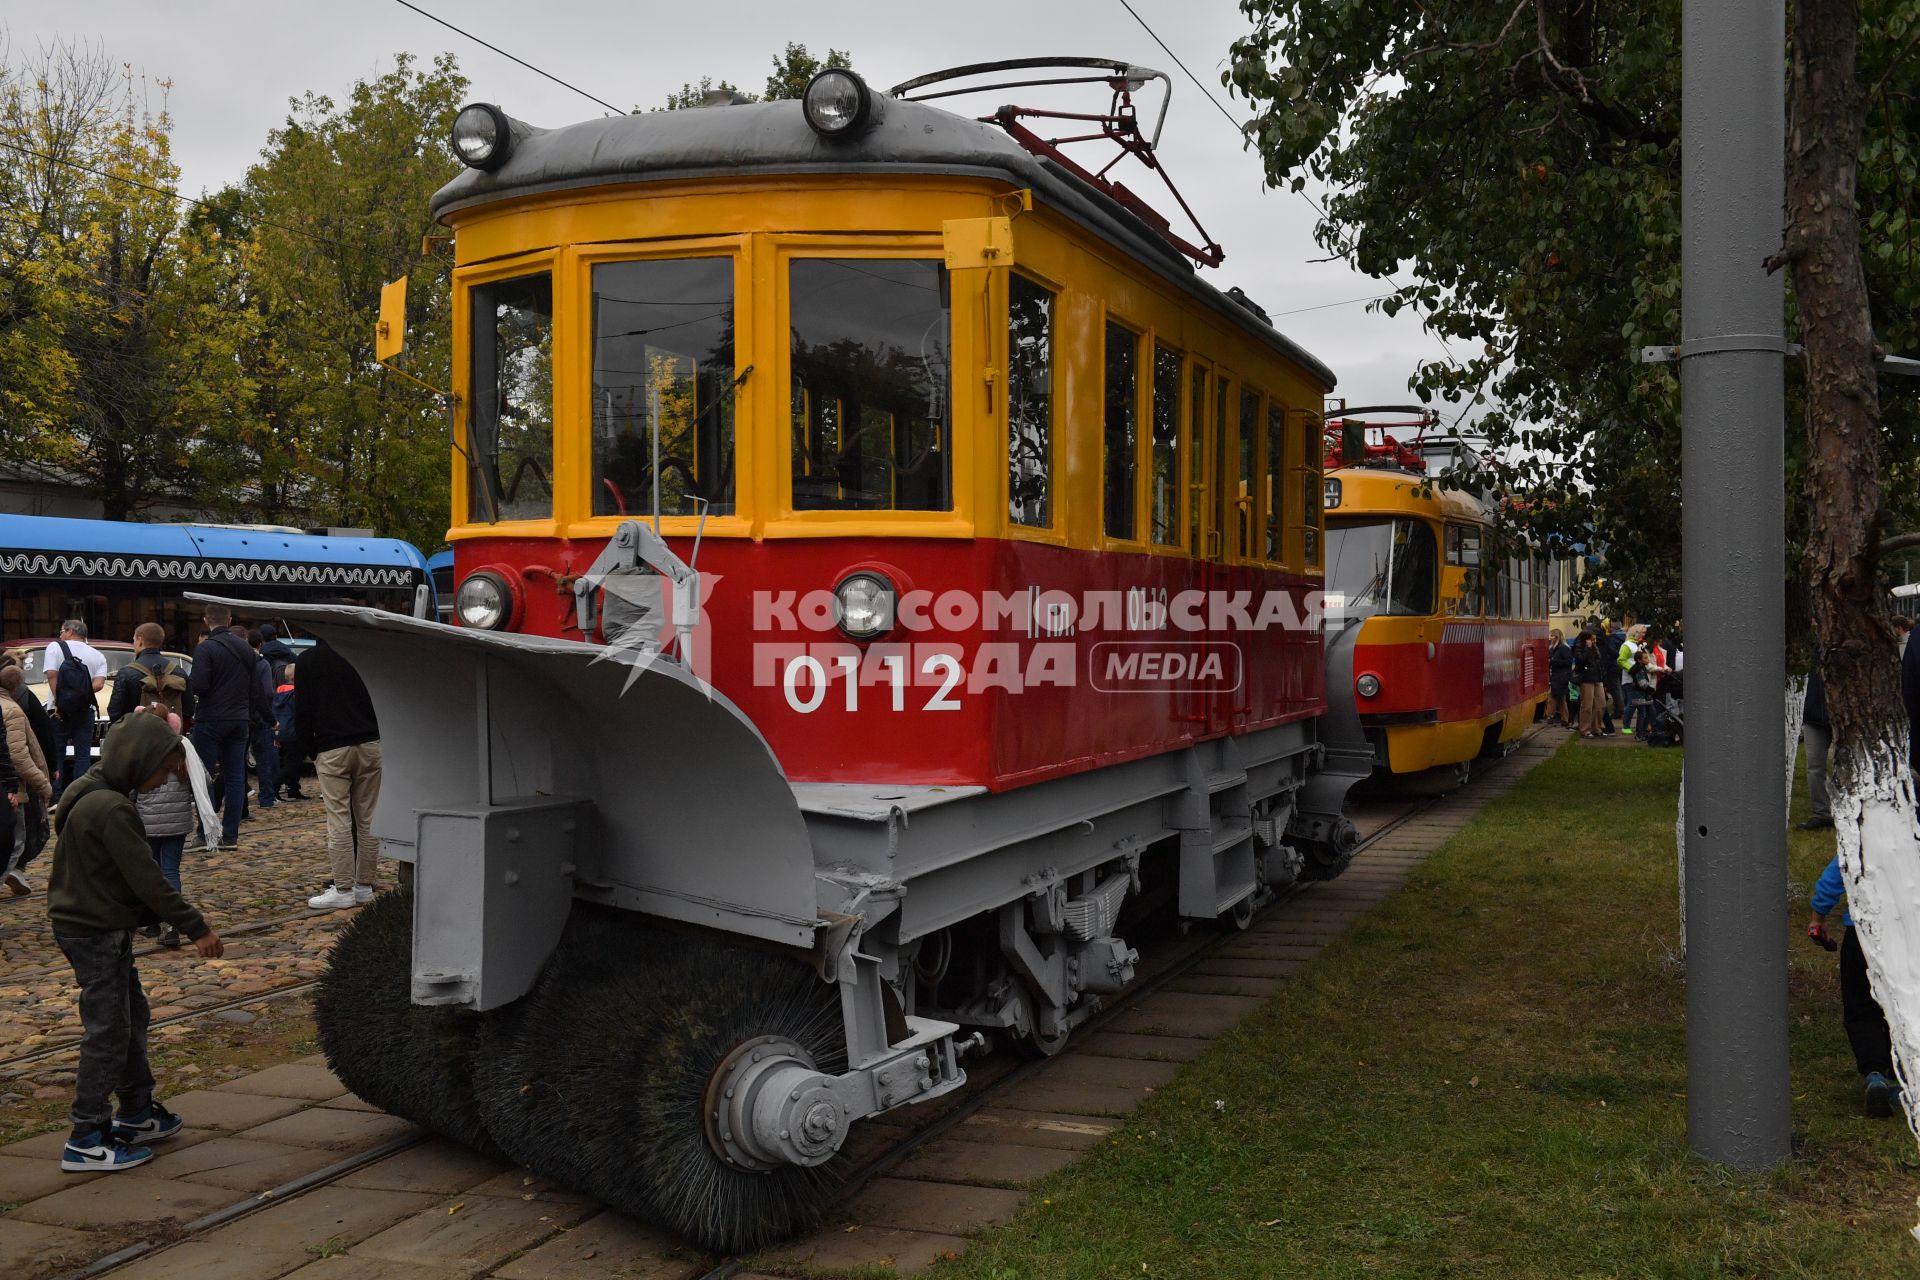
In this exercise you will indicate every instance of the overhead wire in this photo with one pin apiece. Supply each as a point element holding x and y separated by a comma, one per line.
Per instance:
<point>406,4</point>
<point>1315,205</point>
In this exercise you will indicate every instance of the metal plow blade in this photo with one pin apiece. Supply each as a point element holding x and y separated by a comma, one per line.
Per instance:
<point>522,772</point>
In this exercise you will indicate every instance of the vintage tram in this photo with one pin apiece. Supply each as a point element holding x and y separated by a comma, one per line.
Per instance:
<point>886,568</point>
<point>1445,647</point>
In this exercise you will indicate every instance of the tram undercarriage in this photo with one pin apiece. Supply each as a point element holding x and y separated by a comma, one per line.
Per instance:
<point>681,993</point>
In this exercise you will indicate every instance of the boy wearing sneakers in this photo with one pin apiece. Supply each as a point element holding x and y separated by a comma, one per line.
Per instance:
<point>1866,1023</point>
<point>105,884</point>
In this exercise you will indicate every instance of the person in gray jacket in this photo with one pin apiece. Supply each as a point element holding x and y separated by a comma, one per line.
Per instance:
<point>168,815</point>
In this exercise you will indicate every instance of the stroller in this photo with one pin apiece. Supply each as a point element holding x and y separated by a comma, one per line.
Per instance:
<point>1666,713</point>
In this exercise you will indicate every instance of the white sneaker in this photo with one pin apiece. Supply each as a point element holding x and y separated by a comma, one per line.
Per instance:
<point>333,899</point>
<point>18,885</point>
<point>363,894</point>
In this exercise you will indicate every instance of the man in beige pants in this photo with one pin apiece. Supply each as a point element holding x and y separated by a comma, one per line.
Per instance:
<point>334,722</point>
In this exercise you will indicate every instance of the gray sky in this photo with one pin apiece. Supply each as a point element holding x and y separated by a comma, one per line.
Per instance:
<point>234,64</point>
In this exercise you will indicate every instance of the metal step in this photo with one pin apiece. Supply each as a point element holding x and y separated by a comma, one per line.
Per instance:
<point>1218,782</point>
<point>1233,894</point>
<point>1232,836</point>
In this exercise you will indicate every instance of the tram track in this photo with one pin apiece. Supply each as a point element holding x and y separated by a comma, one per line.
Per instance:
<point>1190,949</point>
<point>13,1068</point>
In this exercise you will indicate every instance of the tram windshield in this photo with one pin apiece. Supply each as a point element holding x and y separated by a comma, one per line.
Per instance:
<point>1383,566</point>
<point>663,380</point>
<point>871,379</point>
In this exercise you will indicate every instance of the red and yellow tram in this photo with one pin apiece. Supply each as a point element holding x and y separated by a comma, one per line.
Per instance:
<point>1449,659</point>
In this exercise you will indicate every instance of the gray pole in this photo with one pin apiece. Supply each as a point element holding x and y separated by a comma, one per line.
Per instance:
<point>1733,553</point>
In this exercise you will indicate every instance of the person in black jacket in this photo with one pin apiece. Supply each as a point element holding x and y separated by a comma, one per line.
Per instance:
<point>1590,664</point>
<point>1910,695</point>
<point>1559,673</point>
<point>226,688</point>
<point>276,651</point>
<point>266,759</point>
<point>334,722</point>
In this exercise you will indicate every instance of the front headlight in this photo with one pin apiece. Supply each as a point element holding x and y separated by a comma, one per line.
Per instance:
<point>865,603</point>
<point>483,602</point>
<point>1368,686</point>
<point>482,138</point>
<point>837,103</point>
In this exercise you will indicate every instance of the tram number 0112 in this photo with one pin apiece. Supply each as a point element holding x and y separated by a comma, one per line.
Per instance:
<point>944,667</point>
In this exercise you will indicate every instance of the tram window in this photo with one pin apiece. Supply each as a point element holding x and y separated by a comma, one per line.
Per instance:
<point>510,413</point>
<point>1197,460</point>
<point>1223,495</point>
<point>871,370</point>
<point>1122,434</point>
<point>1276,479</point>
<point>1249,438</point>
<point>1381,566</point>
<point>663,371</point>
<point>1029,404</point>
<point>1164,479</point>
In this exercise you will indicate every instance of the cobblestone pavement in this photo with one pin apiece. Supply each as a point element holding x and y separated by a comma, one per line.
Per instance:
<point>419,1208</point>
<point>255,897</point>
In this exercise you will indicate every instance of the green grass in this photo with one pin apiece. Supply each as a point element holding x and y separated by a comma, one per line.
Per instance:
<point>1487,1077</point>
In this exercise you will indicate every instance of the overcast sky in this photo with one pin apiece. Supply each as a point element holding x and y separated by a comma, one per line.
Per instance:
<point>234,64</point>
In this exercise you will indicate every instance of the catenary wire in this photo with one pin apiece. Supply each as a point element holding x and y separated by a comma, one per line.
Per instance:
<point>406,4</point>
<point>1311,202</point>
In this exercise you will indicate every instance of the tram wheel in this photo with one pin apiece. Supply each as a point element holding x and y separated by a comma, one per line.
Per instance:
<point>1239,917</point>
<point>1034,1043</point>
<point>413,1061</point>
<point>604,1083</point>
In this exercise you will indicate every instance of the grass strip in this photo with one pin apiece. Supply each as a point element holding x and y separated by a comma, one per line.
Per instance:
<point>1487,1077</point>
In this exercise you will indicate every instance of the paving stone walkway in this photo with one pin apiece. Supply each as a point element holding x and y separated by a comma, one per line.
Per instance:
<point>254,897</point>
<point>435,1211</point>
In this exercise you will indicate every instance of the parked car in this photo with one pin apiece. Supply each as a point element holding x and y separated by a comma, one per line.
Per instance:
<point>118,654</point>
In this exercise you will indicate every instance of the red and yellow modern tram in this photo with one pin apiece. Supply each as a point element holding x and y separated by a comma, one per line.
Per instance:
<point>1449,655</point>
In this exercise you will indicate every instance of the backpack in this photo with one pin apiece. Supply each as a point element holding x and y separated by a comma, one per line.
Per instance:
<point>165,685</point>
<point>72,686</point>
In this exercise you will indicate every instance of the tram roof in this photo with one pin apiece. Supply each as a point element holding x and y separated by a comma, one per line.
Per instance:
<point>769,138</point>
<point>54,535</point>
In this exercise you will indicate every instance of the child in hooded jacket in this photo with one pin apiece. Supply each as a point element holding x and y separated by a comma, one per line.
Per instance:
<point>104,885</point>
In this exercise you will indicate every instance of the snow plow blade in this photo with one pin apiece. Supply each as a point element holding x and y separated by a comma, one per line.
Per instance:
<point>522,772</point>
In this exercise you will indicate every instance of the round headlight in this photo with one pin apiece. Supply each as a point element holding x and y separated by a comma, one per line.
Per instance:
<point>1367,685</point>
<point>482,138</point>
<point>837,103</point>
<point>483,602</point>
<point>865,604</point>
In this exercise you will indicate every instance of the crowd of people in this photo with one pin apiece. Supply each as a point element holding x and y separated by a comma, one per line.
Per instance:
<point>1612,673</point>
<point>172,765</point>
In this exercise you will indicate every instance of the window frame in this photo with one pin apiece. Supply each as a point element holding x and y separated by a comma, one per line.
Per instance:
<point>746,436</point>
<point>465,281</point>
<point>1001,411</point>
<point>968,313</point>
<point>1183,367</point>
<point>1140,538</point>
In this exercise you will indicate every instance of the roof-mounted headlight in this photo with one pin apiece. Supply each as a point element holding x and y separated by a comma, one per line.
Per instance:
<point>838,103</point>
<point>482,136</point>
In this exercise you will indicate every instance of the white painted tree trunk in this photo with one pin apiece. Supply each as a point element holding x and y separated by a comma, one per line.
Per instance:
<point>1680,844</point>
<point>1879,840</point>
<point>1796,703</point>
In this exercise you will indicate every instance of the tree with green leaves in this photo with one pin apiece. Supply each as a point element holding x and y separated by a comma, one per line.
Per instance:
<point>1513,173</point>
<point>336,208</point>
<point>791,71</point>
<point>117,348</point>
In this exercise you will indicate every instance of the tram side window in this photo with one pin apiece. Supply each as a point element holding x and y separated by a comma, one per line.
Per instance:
<point>1122,434</point>
<point>1164,478</point>
<point>510,413</point>
<point>1201,451</point>
<point>1463,549</point>
<point>1312,490</point>
<point>1029,404</point>
<point>872,417</point>
<point>663,381</point>
<point>1276,480</point>
<point>1245,494</point>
